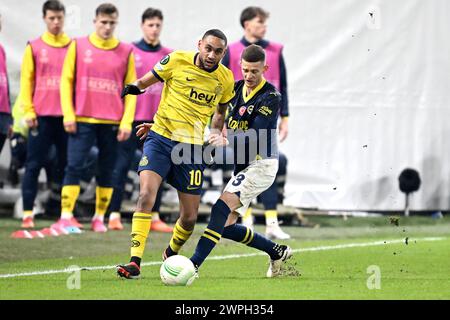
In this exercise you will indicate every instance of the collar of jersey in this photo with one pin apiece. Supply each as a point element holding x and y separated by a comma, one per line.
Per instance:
<point>58,41</point>
<point>263,43</point>
<point>100,43</point>
<point>147,46</point>
<point>254,91</point>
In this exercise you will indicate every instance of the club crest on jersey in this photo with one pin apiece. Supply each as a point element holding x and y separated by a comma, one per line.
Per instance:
<point>144,161</point>
<point>242,110</point>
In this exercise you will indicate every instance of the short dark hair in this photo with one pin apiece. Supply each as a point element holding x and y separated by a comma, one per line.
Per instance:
<point>53,5</point>
<point>253,53</point>
<point>106,8</point>
<point>216,33</point>
<point>250,13</point>
<point>150,13</point>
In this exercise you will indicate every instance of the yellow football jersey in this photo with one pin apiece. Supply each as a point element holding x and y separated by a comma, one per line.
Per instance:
<point>190,96</point>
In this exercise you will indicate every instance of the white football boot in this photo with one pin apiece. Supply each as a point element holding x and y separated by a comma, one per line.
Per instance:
<point>275,265</point>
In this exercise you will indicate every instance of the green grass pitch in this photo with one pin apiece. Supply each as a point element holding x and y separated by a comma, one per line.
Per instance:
<point>358,258</point>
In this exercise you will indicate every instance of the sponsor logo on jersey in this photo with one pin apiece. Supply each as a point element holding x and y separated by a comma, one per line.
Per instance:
<point>265,111</point>
<point>100,85</point>
<point>234,124</point>
<point>201,97</point>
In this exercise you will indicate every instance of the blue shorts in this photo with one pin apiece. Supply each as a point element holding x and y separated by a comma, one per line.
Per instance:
<point>180,164</point>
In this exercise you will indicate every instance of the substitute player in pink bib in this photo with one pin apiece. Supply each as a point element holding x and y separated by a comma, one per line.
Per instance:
<point>39,85</point>
<point>95,70</point>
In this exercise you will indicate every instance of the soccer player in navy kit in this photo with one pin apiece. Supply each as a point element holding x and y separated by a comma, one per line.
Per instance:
<point>251,132</point>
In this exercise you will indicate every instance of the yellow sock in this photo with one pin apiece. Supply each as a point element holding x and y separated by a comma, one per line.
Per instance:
<point>179,237</point>
<point>102,199</point>
<point>140,228</point>
<point>271,217</point>
<point>69,196</point>
<point>27,213</point>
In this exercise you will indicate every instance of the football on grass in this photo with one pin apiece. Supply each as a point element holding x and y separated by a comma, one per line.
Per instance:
<point>177,271</point>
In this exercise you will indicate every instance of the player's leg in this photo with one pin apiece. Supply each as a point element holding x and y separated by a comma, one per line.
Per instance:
<point>125,155</point>
<point>154,166</point>
<point>185,224</point>
<point>187,178</point>
<point>107,147</point>
<point>78,146</point>
<point>220,211</point>
<point>278,253</point>
<point>140,227</point>
<point>237,196</point>
<point>55,174</point>
<point>39,142</point>
<point>158,224</point>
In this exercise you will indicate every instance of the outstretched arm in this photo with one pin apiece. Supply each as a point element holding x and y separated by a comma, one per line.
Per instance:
<point>140,85</point>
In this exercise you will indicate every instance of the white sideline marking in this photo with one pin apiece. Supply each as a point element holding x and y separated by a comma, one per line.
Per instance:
<point>230,256</point>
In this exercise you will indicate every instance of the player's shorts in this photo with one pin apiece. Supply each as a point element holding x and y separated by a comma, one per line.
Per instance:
<point>252,181</point>
<point>186,176</point>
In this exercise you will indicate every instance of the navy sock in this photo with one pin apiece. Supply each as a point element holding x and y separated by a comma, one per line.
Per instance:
<point>213,232</point>
<point>247,236</point>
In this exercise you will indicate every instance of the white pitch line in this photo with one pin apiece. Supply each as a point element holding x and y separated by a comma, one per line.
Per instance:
<point>230,256</point>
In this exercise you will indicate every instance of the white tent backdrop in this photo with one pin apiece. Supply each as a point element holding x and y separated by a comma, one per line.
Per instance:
<point>368,87</point>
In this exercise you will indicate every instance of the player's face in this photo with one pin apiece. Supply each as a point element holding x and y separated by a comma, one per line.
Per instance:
<point>252,72</point>
<point>105,24</point>
<point>54,21</point>
<point>211,51</point>
<point>256,27</point>
<point>151,28</point>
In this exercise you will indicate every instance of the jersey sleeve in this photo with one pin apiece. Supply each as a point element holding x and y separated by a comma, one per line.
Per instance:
<point>268,111</point>
<point>27,82</point>
<point>228,93</point>
<point>164,68</point>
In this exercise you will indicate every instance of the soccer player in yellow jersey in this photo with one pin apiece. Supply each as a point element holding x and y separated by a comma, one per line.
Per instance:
<point>196,86</point>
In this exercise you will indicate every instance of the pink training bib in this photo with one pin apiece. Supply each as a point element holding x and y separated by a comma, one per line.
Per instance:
<point>4,92</point>
<point>100,76</point>
<point>148,102</point>
<point>48,63</point>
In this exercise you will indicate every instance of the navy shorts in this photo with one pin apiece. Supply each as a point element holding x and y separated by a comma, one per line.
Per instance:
<point>180,164</point>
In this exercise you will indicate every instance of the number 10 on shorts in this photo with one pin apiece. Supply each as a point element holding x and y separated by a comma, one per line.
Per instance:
<point>196,177</point>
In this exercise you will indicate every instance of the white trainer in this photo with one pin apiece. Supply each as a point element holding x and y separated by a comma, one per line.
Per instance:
<point>275,232</point>
<point>275,265</point>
